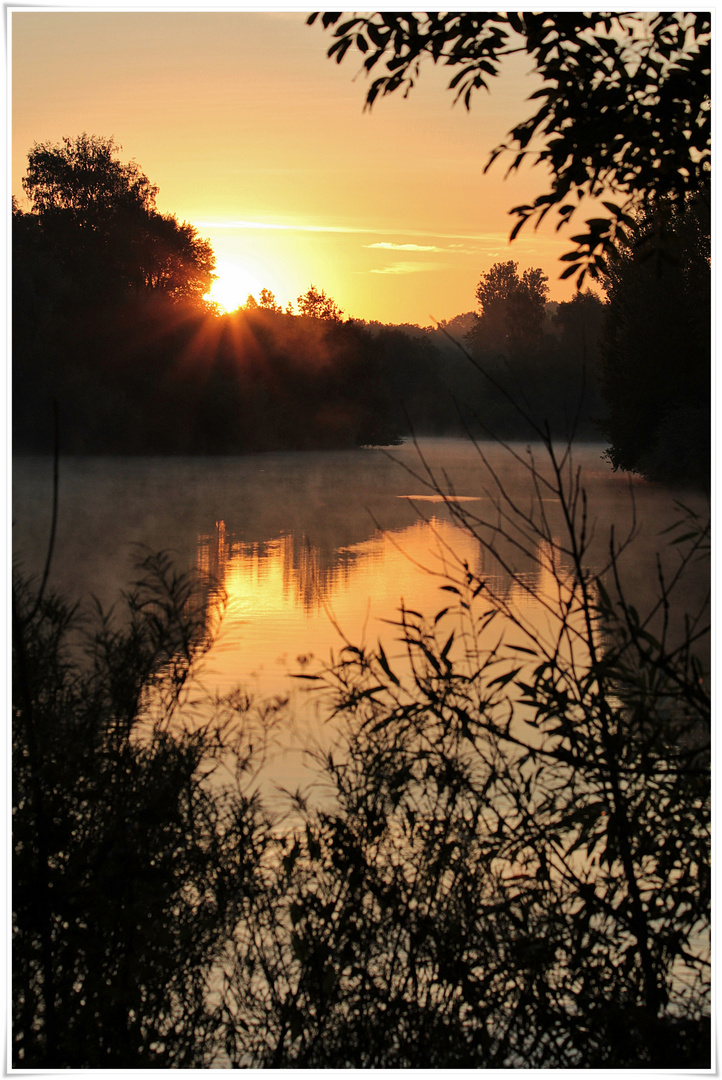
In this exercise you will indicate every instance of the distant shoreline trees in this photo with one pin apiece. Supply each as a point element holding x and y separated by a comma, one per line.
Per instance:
<point>316,305</point>
<point>313,304</point>
<point>110,321</point>
<point>511,307</point>
<point>655,363</point>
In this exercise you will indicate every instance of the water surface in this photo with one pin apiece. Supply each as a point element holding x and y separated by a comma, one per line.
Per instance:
<point>315,548</point>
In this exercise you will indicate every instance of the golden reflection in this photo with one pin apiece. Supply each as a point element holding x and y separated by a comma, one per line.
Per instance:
<point>288,599</point>
<point>542,585</point>
<point>272,574</point>
<point>547,603</point>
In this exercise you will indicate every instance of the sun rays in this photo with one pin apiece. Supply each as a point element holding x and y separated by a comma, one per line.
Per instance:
<point>234,282</point>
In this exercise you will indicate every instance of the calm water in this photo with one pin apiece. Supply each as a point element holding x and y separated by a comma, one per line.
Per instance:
<point>311,547</point>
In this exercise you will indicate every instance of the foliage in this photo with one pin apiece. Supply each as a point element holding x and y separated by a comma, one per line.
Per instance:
<point>173,259</point>
<point>108,323</point>
<point>623,106</point>
<point>129,868</point>
<point>581,316</point>
<point>84,178</point>
<point>97,219</point>
<point>511,308</point>
<point>267,300</point>
<point>316,305</point>
<point>506,863</point>
<point>460,325</point>
<point>160,378</point>
<point>510,864</point>
<point>656,346</point>
<point>523,350</point>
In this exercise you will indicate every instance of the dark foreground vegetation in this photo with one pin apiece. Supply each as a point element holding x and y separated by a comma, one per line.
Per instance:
<point>505,861</point>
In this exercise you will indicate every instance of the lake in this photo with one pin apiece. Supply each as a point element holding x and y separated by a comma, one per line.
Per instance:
<point>316,548</point>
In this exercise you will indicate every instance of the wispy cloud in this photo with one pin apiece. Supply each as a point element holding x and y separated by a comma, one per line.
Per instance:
<point>423,234</point>
<point>464,249</point>
<point>281,226</point>
<point>405,268</point>
<point>404,247</point>
<point>478,245</point>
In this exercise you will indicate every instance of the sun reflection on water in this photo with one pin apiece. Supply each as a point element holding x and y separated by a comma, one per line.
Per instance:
<point>288,600</point>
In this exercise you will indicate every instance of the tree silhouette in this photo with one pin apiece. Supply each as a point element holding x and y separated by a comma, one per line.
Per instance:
<point>83,177</point>
<point>97,217</point>
<point>511,307</point>
<point>267,300</point>
<point>315,304</point>
<point>173,259</point>
<point>655,347</point>
<point>128,871</point>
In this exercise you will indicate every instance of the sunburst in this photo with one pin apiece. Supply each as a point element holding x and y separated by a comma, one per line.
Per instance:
<point>234,282</point>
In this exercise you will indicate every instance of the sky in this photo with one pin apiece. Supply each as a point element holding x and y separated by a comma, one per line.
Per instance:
<point>260,141</point>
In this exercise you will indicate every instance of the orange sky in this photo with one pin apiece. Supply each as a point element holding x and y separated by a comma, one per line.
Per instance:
<point>261,142</point>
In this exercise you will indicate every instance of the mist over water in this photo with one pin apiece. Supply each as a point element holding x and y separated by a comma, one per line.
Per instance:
<point>316,548</point>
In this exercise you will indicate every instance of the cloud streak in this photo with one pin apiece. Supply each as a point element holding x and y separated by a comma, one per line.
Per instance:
<point>479,238</point>
<point>405,268</point>
<point>281,227</point>
<point>403,247</point>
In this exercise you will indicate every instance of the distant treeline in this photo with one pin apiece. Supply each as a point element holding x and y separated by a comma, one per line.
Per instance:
<point>110,322</point>
<point>152,376</point>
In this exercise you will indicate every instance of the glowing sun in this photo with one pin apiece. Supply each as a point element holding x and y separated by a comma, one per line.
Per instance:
<point>233,284</point>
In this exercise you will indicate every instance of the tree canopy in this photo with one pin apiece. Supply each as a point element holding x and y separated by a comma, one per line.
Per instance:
<point>655,350</point>
<point>622,114</point>
<point>268,301</point>
<point>83,177</point>
<point>511,307</point>
<point>317,305</point>
<point>97,218</point>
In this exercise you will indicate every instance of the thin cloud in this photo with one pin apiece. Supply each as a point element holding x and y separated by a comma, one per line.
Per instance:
<point>482,238</point>
<point>405,268</point>
<point>464,249</point>
<point>279,226</point>
<point>403,247</point>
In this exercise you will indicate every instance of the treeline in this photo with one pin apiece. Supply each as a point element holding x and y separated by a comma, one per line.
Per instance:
<point>655,348</point>
<point>111,322</point>
<point>155,378</point>
<point>521,369</point>
<point>151,374</point>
